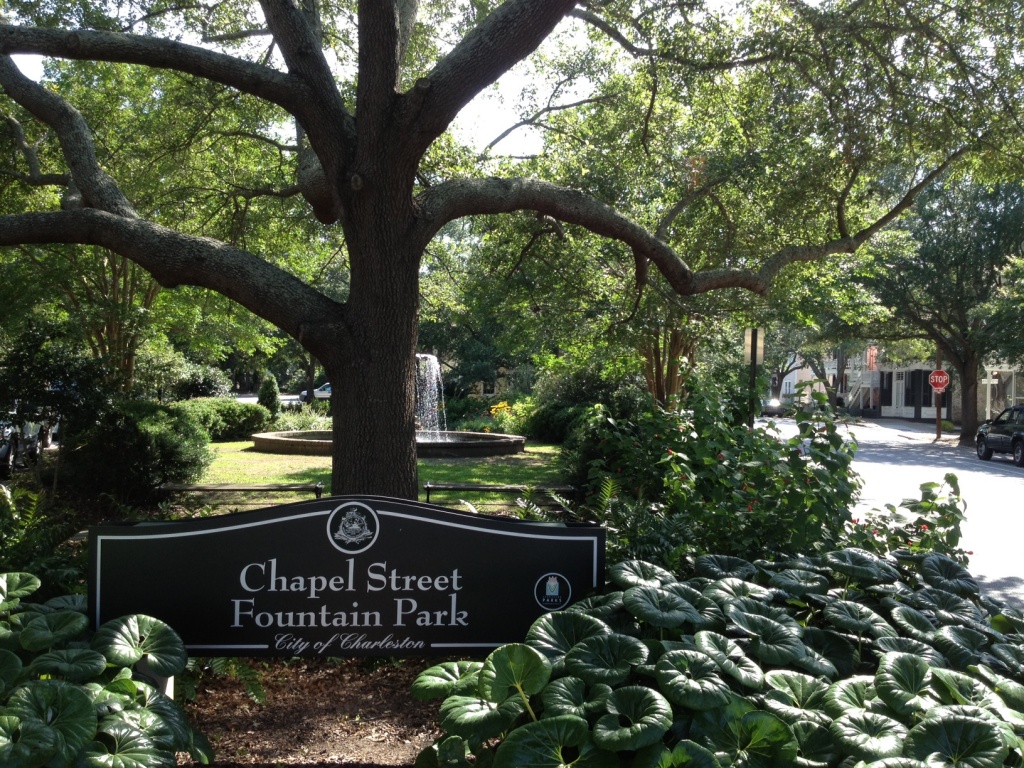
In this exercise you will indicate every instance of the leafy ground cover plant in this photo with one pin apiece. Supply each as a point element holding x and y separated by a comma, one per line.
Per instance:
<point>842,659</point>
<point>68,697</point>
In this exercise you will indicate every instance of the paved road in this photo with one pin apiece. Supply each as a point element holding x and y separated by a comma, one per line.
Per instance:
<point>896,457</point>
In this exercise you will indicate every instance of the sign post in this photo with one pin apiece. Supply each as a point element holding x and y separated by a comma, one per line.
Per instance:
<point>753,353</point>
<point>939,380</point>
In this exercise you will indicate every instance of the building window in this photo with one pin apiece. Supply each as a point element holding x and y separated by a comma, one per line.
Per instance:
<point>487,388</point>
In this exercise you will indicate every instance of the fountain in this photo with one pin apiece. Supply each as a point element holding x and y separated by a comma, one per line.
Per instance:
<point>433,440</point>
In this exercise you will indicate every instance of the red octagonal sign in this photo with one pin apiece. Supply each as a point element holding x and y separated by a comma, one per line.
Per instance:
<point>939,380</point>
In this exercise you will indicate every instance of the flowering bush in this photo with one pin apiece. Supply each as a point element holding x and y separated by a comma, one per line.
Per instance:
<point>740,491</point>
<point>928,524</point>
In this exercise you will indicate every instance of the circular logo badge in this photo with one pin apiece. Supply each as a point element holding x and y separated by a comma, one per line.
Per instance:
<point>552,591</point>
<point>352,528</point>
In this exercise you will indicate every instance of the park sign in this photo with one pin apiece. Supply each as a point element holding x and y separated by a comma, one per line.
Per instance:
<point>343,576</point>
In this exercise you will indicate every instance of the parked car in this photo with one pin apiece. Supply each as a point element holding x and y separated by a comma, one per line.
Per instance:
<point>17,445</point>
<point>322,392</point>
<point>773,407</point>
<point>1003,434</point>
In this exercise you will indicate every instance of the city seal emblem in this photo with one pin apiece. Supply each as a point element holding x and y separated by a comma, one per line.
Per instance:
<point>353,528</point>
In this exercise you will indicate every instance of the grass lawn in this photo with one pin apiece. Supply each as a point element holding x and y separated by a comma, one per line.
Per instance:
<point>238,462</point>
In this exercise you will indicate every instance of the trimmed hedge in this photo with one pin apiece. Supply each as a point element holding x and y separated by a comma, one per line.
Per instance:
<point>225,418</point>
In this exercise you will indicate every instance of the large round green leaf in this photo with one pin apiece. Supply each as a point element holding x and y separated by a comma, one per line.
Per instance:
<point>691,679</point>
<point>73,664</point>
<point>957,688</point>
<point>857,618</point>
<point>853,694</point>
<point>689,754</point>
<point>10,670</point>
<point>598,606</point>
<point>816,664</point>
<point>554,742</point>
<point>566,696</point>
<point>946,607</point>
<point>659,607</point>
<point>605,659</point>
<point>711,616</point>
<point>954,740</point>
<point>802,692</point>
<point>120,745</point>
<point>14,586</point>
<point>445,679</point>
<point>172,728</point>
<point>861,566</point>
<point>26,744</point>
<point>126,640</point>
<point>903,681</point>
<point>1008,690</point>
<point>477,720</point>
<point>770,641</point>
<point>913,623</point>
<point>634,573</point>
<point>47,631</point>
<point>730,658</point>
<point>78,603</point>
<point>724,591</point>
<point>513,670</point>
<point>895,762</point>
<point>749,605</point>
<point>554,634</point>
<point>60,706</point>
<point>716,567</point>
<point>637,717</point>
<point>912,646</point>
<point>1011,655</point>
<point>961,645</point>
<point>815,746</point>
<point>868,735</point>
<point>944,572</point>
<point>754,739</point>
<point>798,582</point>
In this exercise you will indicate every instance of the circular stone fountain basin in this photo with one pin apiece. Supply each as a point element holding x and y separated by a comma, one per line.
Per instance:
<point>429,445</point>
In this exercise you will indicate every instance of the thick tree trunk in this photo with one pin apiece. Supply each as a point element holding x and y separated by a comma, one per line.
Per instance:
<point>372,365</point>
<point>969,399</point>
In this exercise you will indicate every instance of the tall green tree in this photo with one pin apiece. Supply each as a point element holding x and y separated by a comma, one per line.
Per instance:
<point>816,125</point>
<point>943,275</point>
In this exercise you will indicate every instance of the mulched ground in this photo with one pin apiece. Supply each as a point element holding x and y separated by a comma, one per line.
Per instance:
<point>318,713</point>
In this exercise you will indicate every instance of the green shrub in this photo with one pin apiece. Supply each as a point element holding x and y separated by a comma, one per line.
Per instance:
<point>270,396</point>
<point>561,400</point>
<point>225,418</point>
<point>845,659</point>
<point>919,526</point>
<point>194,380</point>
<point>310,416</point>
<point>69,697</point>
<point>726,488</point>
<point>133,448</point>
<point>512,418</point>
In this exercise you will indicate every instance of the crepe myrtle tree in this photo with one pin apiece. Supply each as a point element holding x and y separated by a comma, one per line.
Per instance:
<point>372,87</point>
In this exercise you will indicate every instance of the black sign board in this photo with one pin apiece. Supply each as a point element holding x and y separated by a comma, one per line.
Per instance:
<point>343,576</point>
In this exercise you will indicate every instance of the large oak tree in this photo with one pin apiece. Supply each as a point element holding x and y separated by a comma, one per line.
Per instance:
<point>821,122</point>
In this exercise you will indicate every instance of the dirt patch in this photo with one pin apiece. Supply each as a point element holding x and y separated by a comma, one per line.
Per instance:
<point>318,713</point>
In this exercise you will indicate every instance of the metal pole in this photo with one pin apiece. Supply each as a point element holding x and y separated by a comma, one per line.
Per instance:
<point>938,395</point>
<point>753,376</point>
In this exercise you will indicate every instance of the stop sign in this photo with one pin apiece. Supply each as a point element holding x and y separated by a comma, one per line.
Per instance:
<point>939,380</point>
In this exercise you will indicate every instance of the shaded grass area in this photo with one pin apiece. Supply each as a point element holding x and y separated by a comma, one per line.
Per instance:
<point>238,462</point>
